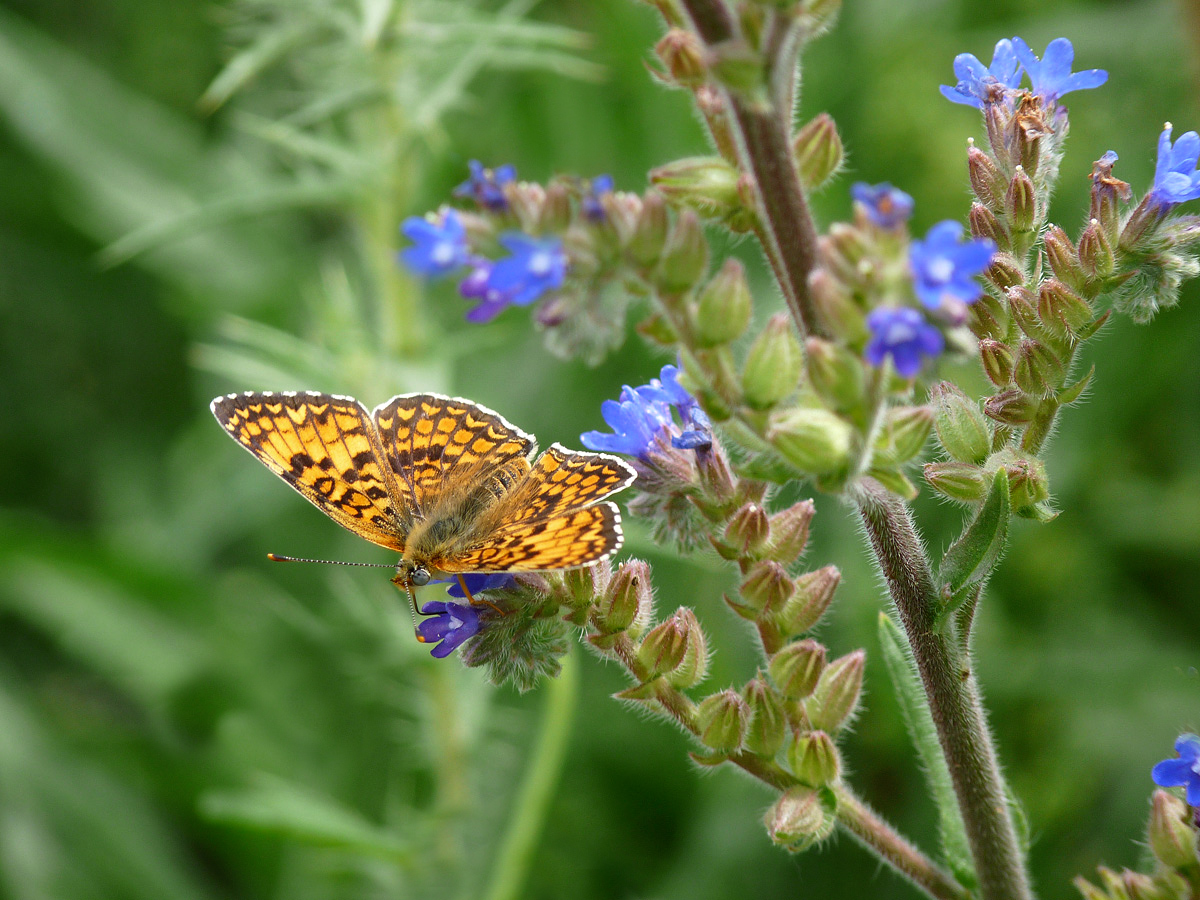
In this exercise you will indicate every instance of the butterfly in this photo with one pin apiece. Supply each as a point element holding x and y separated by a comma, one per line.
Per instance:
<point>450,485</point>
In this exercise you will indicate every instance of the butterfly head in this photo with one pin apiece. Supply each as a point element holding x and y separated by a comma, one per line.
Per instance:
<point>409,573</point>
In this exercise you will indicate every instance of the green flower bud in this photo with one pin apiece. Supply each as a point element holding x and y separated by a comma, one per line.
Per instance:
<point>526,199</point>
<point>767,587</point>
<point>1140,887</point>
<point>813,594</point>
<point>836,309</point>
<point>799,819</point>
<point>813,440</point>
<point>1011,407</point>
<point>818,151</point>
<point>1064,261</point>
<point>987,181</point>
<point>986,319</point>
<point>998,362</point>
<point>1022,304</point>
<point>706,184</point>
<point>1027,483</point>
<point>813,758</point>
<point>817,15</point>
<point>789,531</point>
<point>650,233</point>
<point>694,666</point>
<point>622,212</point>
<point>583,585</point>
<point>961,428</point>
<point>1020,205</point>
<point>556,210</point>
<point>984,224</point>
<point>748,530</point>
<point>722,720</point>
<point>657,329</point>
<point>738,67</point>
<point>1170,833</point>
<point>768,722</point>
<point>835,699</point>
<point>773,364</point>
<point>796,669</point>
<point>1107,193</point>
<point>1114,885</point>
<point>1088,890</point>
<point>663,649</point>
<point>627,602</point>
<point>904,433</point>
<point>842,250</point>
<point>1062,310</point>
<point>957,480</point>
<point>1039,371</point>
<point>1095,252</point>
<point>836,374</point>
<point>682,54</point>
<point>1004,271</point>
<point>725,307</point>
<point>685,256</point>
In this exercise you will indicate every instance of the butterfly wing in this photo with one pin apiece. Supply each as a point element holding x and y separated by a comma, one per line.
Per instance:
<point>436,444</point>
<point>325,446</point>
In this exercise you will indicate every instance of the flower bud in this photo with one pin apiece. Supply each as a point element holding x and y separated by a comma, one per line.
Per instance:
<point>706,184</point>
<point>722,720</point>
<point>1022,304</point>
<point>622,210</point>
<point>1061,309</point>
<point>1027,483</point>
<point>1107,192</point>
<point>1141,887</point>
<point>748,530</point>
<point>1020,206</point>
<point>627,603</point>
<point>984,224</point>
<point>1170,833</point>
<point>956,480</point>
<point>796,669</point>
<point>694,665</point>
<point>987,319</point>
<point>1064,262</point>
<point>556,210</point>
<point>725,307</point>
<point>798,819</point>
<point>768,722</point>
<point>836,374</point>
<point>1142,228</point>
<point>738,67</point>
<point>987,181</point>
<point>773,364</point>
<point>789,531</point>
<point>813,594</point>
<point>1004,271</point>
<point>904,433</point>
<point>813,758</point>
<point>842,251</point>
<point>817,15</point>
<point>767,587</point>
<point>997,362</point>
<point>685,255</point>
<point>836,696</point>
<point>818,151</point>
<point>1088,890</point>
<point>584,584</point>
<point>682,54</point>
<point>836,309</point>
<point>663,649</point>
<point>961,428</point>
<point>1011,407</point>
<point>813,440</point>
<point>1095,252</point>
<point>650,233</point>
<point>1039,371</point>
<point>525,199</point>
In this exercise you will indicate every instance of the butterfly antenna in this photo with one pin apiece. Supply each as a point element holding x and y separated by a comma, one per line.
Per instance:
<point>275,557</point>
<point>412,609</point>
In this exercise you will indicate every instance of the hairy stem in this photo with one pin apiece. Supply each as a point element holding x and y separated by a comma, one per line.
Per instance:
<point>953,696</point>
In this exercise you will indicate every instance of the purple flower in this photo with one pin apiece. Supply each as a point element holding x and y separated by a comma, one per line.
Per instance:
<point>976,81</point>
<point>1051,76</point>
<point>944,267</point>
<point>537,265</point>
<point>478,582</point>
<point>486,186</point>
<point>450,623</point>
<point>1175,175</point>
<point>591,202</point>
<point>475,287</point>
<point>1183,771</point>
<point>438,247</point>
<point>641,413</point>
<point>904,335</point>
<point>885,205</point>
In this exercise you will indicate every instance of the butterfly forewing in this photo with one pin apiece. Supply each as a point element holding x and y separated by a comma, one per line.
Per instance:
<point>564,480</point>
<point>325,447</point>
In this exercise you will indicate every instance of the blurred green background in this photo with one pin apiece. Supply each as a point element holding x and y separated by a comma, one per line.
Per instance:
<point>181,719</point>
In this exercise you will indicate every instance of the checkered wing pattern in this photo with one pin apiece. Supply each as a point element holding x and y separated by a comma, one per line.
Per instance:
<point>436,444</point>
<point>326,447</point>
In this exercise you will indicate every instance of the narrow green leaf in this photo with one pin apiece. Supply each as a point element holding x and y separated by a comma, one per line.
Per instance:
<point>972,557</point>
<point>246,65</point>
<point>915,708</point>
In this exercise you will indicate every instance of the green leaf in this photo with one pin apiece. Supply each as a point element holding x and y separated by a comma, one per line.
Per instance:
<point>972,557</point>
<point>919,720</point>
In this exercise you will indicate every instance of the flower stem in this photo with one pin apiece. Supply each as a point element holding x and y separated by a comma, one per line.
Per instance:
<point>953,694</point>
<point>537,788</point>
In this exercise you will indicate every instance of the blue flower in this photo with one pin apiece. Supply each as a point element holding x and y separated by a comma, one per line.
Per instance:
<point>475,287</point>
<point>537,265</point>
<point>478,582</point>
<point>486,186</point>
<point>1184,771</point>
<point>904,335</point>
<point>943,267</point>
<point>1175,175</point>
<point>885,205</point>
<point>438,248</point>
<point>450,623</point>
<point>976,81</point>
<point>642,413</point>
<point>592,203</point>
<point>1051,76</point>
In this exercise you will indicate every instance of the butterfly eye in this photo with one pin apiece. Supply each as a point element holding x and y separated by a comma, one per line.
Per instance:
<point>420,576</point>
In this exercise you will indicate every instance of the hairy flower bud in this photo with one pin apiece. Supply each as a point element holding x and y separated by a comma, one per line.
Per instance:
<point>1022,304</point>
<point>1039,371</point>
<point>836,309</point>
<point>957,480</point>
<point>767,587</point>
<point>682,54</point>
<point>987,181</point>
<point>962,429</point>
<point>1064,261</point>
<point>748,530</point>
<point>685,255</point>
<point>836,374</point>
<point>835,699</point>
<point>768,721</point>
<point>725,306</point>
<point>1004,271</point>
<point>797,668</point>
<point>694,666</point>
<point>813,759</point>
<point>998,362</point>
<point>1020,207</point>
<point>707,184</point>
<point>1027,483</point>
<point>813,594</point>
<point>904,433</point>
<point>813,440</point>
<point>984,224</point>
<point>722,720</point>
<point>799,819</point>
<point>627,602</point>
<point>525,199</point>
<point>1171,835</point>
<point>556,210</point>
<point>1095,252</point>
<point>650,233</point>
<point>987,319</point>
<point>818,151</point>
<point>1063,312</point>
<point>789,531</point>
<point>1011,407</point>
<point>773,364</point>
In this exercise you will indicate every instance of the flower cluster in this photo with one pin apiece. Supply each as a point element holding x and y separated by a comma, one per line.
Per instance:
<point>1050,77</point>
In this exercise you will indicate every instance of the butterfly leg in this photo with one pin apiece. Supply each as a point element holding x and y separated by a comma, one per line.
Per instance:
<point>462,583</point>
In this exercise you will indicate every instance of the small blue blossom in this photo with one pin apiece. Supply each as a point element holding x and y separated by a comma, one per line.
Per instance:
<point>904,335</point>
<point>537,265</point>
<point>478,582</point>
<point>450,623</point>
<point>1183,771</point>
<point>642,413</point>
<point>1051,76</point>
<point>475,287</point>
<point>438,247</point>
<point>592,202</point>
<point>486,186</point>
<point>886,206</point>
<point>944,267</point>
<point>976,81</point>
<point>1175,175</point>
